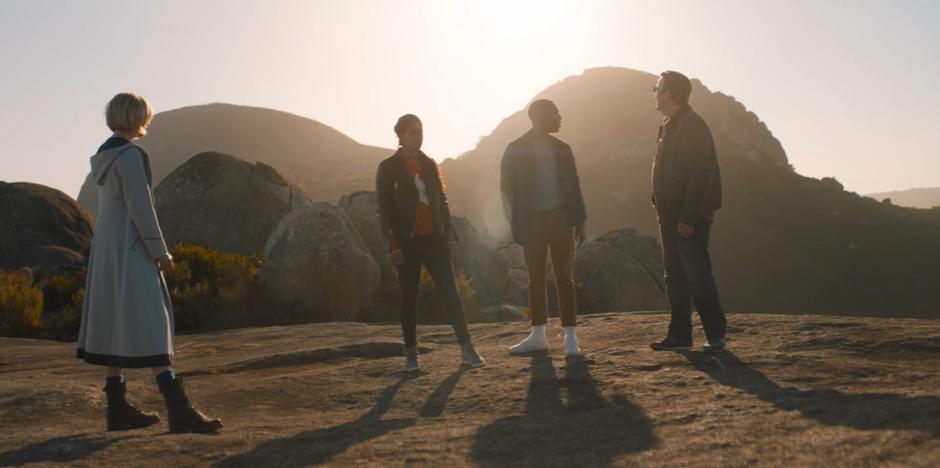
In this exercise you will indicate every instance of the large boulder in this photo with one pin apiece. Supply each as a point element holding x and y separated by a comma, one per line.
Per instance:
<point>518,272</point>
<point>316,263</point>
<point>42,227</point>
<point>360,206</point>
<point>480,261</point>
<point>223,202</point>
<point>620,271</point>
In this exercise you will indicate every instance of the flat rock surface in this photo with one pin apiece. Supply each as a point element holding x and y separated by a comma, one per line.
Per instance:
<point>795,390</point>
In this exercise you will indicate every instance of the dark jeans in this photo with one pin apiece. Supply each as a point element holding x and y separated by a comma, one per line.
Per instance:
<point>689,277</point>
<point>433,252</point>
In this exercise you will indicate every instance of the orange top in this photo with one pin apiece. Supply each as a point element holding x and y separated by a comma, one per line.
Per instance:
<point>424,223</point>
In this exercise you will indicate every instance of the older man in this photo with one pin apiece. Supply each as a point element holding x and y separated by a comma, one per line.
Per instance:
<point>686,194</point>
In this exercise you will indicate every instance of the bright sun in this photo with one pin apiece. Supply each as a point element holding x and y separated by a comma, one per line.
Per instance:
<point>514,19</point>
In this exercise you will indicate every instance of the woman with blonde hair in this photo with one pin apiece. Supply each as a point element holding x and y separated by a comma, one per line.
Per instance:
<point>127,316</point>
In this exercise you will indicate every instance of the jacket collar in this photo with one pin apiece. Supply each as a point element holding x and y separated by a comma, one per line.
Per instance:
<point>531,135</point>
<point>670,121</point>
<point>399,157</point>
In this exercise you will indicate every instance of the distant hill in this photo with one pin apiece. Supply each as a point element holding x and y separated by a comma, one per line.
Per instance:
<point>323,162</point>
<point>927,197</point>
<point>783,242</point>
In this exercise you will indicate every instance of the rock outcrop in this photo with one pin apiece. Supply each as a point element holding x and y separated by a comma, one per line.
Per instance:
<point>621,270</point>
<point>42,227</point>
<point>220,201</point>
<point>316,263</point>
<point>480,261</point>
<point>792,391</point>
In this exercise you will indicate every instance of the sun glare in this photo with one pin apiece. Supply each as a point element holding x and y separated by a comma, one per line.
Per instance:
<point>513,20</point>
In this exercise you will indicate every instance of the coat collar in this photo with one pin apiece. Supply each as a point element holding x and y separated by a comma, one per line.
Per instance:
<point>530,136</point>
<point>673,120</point>
<point>399,157</point>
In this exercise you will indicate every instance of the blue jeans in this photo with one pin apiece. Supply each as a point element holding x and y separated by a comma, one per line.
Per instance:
<point>689,278</point>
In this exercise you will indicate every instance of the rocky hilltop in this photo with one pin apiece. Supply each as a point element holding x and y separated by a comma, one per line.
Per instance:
<point>320,160</point>
<point>794,391</point>
<point>783,243</point>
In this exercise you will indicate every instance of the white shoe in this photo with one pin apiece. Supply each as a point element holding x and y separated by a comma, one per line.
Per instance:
<point>572,348</point>
<point>531,343</point>
<point>571,342</point>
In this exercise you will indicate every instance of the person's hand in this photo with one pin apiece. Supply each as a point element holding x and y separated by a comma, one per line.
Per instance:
<point>165,263</point>
<point>452,245</point>
<point>579,234</point>
<point>397,258</point>
<point>686,230</point>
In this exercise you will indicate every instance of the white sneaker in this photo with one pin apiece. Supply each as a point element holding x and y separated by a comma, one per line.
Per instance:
<point>532,343</point>
<point>571,347</point>
<point>571,342</point>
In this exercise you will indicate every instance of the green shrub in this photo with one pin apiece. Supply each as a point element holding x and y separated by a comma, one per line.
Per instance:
<point>431,307</point>
<point>64,323</point>
<point>63,294</point>
<point>20,304</point>
<point>212,289</point>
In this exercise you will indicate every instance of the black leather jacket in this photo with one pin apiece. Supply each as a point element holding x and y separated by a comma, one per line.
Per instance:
<point>397,198</point>
<point>686,178</point>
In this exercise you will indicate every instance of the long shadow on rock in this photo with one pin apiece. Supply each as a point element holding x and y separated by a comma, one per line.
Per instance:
<point>865,411</point>
<point>59,449</point>
<point>318,446</point>
<point>434,406</point>
<point>377,350</point>
<point>589,430</point>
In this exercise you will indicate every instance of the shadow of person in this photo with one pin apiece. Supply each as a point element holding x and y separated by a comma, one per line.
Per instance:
<point>865,411</point>
<point>589,430</point>
<point>59,449</point>
<point>318,446</point>
<point>434,406</point>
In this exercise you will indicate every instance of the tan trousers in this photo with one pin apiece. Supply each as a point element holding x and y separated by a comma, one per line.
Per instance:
<point>550,231</point>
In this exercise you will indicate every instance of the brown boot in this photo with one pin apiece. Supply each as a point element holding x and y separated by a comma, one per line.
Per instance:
<point>123,415</point>
<point>182,416</point>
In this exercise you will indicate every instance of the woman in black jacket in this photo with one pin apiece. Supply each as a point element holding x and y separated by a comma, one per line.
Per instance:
<point>415,220</point>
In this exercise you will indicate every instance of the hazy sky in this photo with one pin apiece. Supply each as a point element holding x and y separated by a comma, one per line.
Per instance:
<point>851,88</point>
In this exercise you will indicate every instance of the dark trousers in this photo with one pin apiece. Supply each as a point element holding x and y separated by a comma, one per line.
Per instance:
<point>433,252</point>
<point>689,278</point>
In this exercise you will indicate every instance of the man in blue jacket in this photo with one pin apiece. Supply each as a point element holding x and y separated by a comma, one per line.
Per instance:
<point>543,204</point>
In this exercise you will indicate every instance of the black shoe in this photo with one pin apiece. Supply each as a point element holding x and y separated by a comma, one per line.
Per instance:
<point>182,414</point>
<point>715,346</point>
<point>123,415</point>
<point>671,344</point>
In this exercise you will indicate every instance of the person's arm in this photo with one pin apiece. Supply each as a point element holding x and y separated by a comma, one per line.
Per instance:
<point>506,179</point>
<point>449,231</point>
<point>580,212</point>
<point>139,201</point>
<point>695,155</point>
<point>384,201</point>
